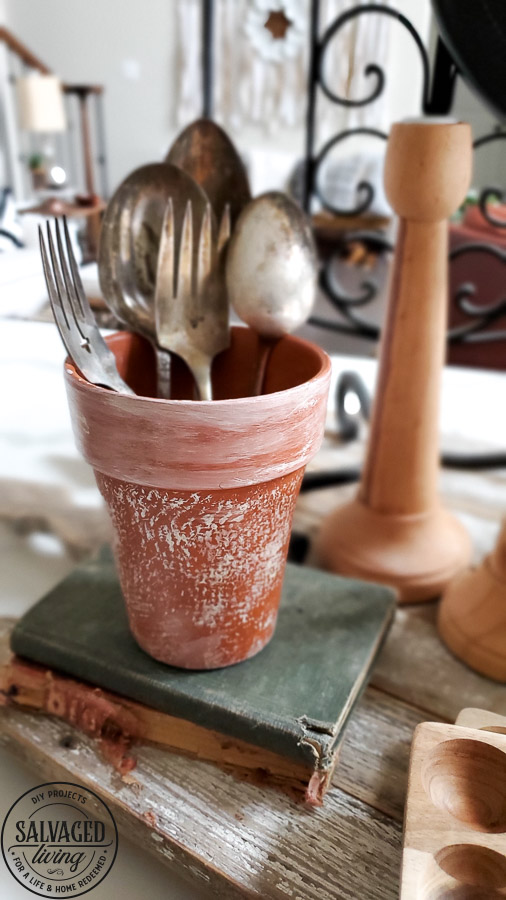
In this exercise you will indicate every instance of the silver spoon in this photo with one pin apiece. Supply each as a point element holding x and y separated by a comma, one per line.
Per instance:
<point>129,244</point>
<point>271,271</point>
<point>205,151</point>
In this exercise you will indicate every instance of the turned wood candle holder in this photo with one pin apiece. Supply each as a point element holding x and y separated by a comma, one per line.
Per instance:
<point>472,615</point>
<point>396,530</point>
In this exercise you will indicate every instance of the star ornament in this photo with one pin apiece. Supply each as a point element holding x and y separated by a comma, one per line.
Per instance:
<point>276,29</point>
<point>278,24</point>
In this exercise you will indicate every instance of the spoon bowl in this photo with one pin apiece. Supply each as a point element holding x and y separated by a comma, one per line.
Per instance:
<point>271,270</point>
<point>205,152</point>
<point>130,238</point>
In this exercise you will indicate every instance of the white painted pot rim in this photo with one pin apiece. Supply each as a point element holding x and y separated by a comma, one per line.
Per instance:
<point>192,445</point>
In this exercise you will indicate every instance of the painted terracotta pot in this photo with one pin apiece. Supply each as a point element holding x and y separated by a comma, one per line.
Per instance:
<point>201,495</point>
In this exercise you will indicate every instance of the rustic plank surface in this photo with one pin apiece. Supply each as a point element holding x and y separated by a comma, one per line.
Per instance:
<point>240,838</point>
<point>374,759</point>
<point>417,668</point>
<point>243,839</point>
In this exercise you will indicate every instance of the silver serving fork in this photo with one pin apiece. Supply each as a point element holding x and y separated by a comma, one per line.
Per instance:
<point>191,304</point>
<point>73,315</point>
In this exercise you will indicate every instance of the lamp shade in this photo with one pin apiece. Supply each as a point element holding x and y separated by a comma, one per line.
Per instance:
<point>40,103</point>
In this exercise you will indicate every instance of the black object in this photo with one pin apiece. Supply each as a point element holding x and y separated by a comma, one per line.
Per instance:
<point>11,237</point>
<point>475,33</point>
<point>7,215</point>
<point>298,548</point>
<point>207,57</point>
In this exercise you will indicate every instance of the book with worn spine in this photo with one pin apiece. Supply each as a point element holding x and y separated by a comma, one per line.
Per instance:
<point>280,715</point>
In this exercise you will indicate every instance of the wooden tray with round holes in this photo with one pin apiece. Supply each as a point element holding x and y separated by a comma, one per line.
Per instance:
<point>455,819</point>
<point>481,719</point>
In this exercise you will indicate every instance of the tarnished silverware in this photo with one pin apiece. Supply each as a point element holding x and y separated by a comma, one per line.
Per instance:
<point>205,152</point>
<point>129,245</point>
<point>271,270</point>
<point>191,304</point>
<point>73,315</point>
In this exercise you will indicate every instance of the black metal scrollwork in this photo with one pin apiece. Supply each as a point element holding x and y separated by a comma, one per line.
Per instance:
<point>371,69</point>
<point>346,304</point>
<point>480,317</point>
<point>363,187</point>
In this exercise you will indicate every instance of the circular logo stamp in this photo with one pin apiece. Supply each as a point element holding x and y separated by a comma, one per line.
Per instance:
<point>59,839</point>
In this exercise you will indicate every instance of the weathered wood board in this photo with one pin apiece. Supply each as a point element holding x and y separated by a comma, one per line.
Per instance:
<point>246,840</point>
<point>415,666</point>
<point>241,839</point>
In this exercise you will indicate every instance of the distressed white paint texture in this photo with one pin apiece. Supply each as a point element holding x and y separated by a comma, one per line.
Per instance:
<point>202,572</point>
<point>182,444</point>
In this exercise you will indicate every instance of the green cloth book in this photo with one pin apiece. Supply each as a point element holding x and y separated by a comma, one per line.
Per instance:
<point>294,698</point>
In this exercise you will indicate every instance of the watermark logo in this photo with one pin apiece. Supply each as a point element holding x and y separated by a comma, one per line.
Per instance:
<point>59,839</point>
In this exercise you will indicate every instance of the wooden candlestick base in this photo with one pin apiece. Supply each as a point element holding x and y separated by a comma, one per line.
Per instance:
<point>472,615</point>
<point>396,531</point>
<point>418,555</point>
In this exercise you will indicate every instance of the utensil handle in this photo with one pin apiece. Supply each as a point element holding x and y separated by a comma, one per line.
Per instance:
<point>265,348</point>
<point>163,373</point>
<point>202,376</point>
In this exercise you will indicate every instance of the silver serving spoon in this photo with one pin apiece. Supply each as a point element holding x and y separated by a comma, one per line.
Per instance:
<point>129,245</point>
<point>205,151</point>
<point>271,271</point>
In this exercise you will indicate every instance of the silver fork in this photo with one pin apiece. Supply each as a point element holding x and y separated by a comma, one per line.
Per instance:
<point>73,315</point>
<point>191,304</point>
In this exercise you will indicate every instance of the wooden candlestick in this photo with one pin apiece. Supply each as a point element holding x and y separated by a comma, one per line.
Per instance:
<point>396,530</point>
<point>472,616</point>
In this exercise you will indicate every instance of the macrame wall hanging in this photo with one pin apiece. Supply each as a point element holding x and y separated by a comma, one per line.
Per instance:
<point>261,60</point>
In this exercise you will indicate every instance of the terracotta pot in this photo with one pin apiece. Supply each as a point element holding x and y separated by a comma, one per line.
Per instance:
<point>201,495</point>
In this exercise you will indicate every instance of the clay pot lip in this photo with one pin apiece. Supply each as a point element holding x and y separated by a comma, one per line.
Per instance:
<point>80,383</point>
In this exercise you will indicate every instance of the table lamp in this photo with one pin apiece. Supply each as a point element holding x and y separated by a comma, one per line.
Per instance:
<point>40,104</point>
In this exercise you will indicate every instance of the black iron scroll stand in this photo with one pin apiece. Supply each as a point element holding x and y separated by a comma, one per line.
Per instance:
<point>207,58</point>
<point>437,99</point>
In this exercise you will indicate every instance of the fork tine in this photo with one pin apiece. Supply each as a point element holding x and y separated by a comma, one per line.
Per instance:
<point>63,298</point>
<point>66,274</point>
<point>185,263</point>
<point>79,291</point>
<point>59,311</point>
<point>68,292</point>
<point>63,284</point>
<point>92,356</point>
<point>205,254</point>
